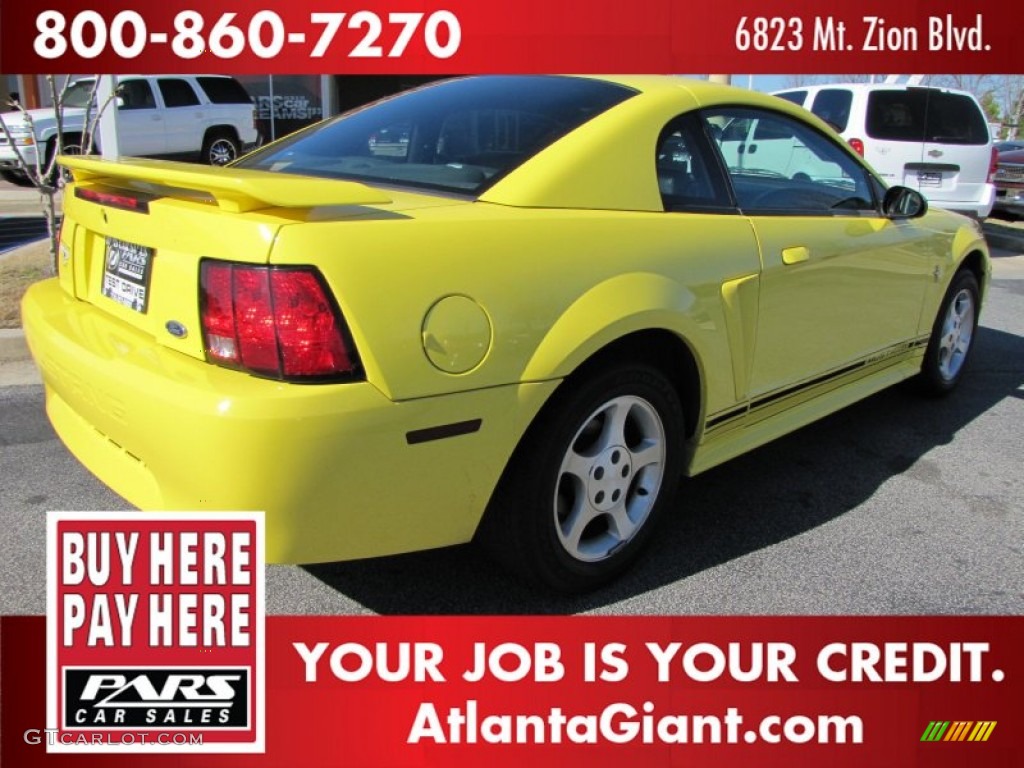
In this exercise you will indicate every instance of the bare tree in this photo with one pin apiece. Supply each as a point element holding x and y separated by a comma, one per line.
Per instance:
<point>43,172</point>
<point>1010,95</point>
<point>799,81</point>
<point>4,94</point>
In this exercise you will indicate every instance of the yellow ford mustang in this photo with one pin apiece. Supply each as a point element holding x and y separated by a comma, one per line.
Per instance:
<point>510,308</point>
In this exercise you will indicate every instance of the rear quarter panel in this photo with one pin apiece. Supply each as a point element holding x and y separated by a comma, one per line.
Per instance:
<point>556,286</point>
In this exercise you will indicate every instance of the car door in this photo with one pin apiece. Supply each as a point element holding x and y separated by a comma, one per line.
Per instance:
<point>140,122</point>
<point>839,282</point>
<point>184,115</point>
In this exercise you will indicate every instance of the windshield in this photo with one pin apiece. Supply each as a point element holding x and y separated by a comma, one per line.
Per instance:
<point>457,136</point>
<point>78,93</point>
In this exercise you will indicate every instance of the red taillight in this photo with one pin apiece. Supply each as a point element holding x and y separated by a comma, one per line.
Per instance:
<point>857,145</point>
<point>127,202</point>
<point>273,322</point>
<point>993,165</point>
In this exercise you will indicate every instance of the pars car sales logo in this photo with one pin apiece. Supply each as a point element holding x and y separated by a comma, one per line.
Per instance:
<point>155,632</point>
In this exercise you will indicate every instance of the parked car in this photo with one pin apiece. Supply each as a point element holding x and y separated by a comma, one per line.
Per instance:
<point>934,140</point>
<point>1010,184</point>
<point>208,118</point>
<point>1008,146</point>
<point>523,328</point>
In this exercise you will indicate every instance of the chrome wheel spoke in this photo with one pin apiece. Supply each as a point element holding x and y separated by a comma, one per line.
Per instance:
<point>649,452</point>
<point>615,424</point>
<point>576,465</point>
<point>574,525</point>
<point>622,526</point>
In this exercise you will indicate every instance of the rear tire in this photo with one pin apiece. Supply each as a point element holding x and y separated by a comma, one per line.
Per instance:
<point>953,335</point>
<point>220,148</point>
<point>588,483</point>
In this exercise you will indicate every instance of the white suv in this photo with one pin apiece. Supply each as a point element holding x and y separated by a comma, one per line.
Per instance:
<point>208,118</point>
<point>935,140</point>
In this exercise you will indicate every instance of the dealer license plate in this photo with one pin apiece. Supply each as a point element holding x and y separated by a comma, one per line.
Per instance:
<point>126,272</point>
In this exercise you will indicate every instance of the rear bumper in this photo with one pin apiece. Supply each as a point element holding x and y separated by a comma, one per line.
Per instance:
<point>1010,200</point>
<point>977,208</point>
<point>9,160</point>
<point>329,464</point>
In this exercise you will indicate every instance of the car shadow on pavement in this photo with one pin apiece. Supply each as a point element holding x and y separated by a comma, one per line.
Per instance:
<point>770,495</point>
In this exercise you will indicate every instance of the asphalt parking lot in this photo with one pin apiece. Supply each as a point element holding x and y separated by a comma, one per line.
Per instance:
<point>896,505</point>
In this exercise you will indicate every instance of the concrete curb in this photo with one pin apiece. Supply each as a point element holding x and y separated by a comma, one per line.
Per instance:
<point>12,345</point>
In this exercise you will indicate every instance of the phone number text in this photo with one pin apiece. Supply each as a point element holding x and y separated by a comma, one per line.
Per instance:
<point>358,35</point>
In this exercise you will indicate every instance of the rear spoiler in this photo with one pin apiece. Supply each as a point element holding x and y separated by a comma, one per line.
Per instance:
<point>235,190</point>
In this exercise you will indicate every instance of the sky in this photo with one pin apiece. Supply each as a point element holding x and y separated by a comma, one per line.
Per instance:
<point>763,83</point>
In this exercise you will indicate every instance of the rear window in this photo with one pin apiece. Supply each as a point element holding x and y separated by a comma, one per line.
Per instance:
<point>954,118</point>
<point>923,115</point>
<point>224,90</point>
<point>458,136</point>
<point>833,106</point>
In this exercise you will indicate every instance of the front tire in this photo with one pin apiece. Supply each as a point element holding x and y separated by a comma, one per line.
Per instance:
<point>953,335</point>
<point>17,178</point>
<point>584,490</point>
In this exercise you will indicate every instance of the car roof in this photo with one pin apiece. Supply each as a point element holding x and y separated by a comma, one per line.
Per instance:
<point>866,87</point>
<point>703,93</point>
<point>624,138</point>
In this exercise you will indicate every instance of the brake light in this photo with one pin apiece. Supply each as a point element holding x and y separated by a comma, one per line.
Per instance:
<point>126,202</point>
<point>273,322</point>
<point>857,145</point>
<point>993,165</point>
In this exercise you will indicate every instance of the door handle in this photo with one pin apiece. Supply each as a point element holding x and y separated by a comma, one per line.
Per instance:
<point>795,255</point>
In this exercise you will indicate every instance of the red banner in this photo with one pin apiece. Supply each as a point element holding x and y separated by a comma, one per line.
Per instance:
<point>467,36</point>
<point>654,691</point>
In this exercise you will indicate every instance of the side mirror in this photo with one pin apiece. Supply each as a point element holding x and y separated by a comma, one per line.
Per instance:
<point>119,101</point>
<point>904,203</point>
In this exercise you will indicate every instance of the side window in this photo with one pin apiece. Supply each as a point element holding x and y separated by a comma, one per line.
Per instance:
<point>177,93</point>
<point>224,90</point>
<point>135,94</point>
<point>792,169</point>
<point>833,106</point>
<point>796,97</point>
<point>687,178</point>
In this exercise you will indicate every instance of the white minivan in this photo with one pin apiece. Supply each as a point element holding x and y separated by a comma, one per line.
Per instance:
<point>935,140</point>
